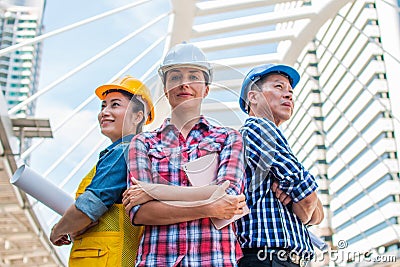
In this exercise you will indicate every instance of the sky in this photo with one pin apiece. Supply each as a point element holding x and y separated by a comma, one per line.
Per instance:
<point>65,52</point>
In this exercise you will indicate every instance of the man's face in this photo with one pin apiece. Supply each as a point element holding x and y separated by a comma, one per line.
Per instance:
<point>273,99</point>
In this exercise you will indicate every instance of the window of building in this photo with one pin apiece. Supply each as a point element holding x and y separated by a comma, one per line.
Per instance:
<point>10,21</point>
<point>370,124</point>
<point>371,209</point>
<point>373,230</point>
<point>369,189</point>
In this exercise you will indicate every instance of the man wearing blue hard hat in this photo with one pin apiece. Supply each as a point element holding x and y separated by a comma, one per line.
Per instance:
<point>280,192</point>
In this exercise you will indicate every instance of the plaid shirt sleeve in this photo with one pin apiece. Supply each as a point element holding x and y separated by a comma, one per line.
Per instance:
<point>231,166</point>
<point>275,154</point>
<point>139,166</point>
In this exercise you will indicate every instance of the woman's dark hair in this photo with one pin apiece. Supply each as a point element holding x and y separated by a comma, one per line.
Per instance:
<point>138,105</point>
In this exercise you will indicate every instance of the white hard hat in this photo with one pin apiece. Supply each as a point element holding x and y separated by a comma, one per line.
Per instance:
<point>185,55</point>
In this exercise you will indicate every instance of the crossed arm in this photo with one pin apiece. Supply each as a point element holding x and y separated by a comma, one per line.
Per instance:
<point>271,152</point>
<point>164,205</point>
<point>309,210</point>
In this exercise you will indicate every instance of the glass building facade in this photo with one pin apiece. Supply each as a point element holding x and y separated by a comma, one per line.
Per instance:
<point>19,70</point>
<point>346,125</point>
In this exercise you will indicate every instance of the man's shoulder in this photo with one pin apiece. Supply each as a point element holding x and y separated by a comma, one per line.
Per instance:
<point>257,123</point>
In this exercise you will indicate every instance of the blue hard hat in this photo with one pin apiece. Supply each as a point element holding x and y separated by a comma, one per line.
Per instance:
<point>258,72</point>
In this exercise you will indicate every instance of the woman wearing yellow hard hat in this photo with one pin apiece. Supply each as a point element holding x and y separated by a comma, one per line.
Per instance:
<point>101,231</point>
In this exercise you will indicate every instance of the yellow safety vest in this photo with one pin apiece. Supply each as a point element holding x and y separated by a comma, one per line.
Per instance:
<point>114,241</point>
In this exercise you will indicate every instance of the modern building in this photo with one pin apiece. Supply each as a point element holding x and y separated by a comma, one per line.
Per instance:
<point>346,126</point>
<point>20,20</point>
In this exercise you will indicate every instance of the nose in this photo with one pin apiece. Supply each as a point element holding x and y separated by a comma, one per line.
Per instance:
<point>288,94</point>
<point>185,84</point>
<point>104,111</point>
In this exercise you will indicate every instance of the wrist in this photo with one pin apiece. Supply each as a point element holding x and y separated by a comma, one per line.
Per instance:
<point>307,223</point>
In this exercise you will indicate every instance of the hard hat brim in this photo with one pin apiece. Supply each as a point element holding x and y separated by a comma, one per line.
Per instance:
<point>252,78</point>
<point>164,69</point>
<point>104,88</point>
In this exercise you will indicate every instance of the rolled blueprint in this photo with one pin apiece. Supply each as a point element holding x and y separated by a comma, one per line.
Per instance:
<point>41,189</point>
<point>318,242</point>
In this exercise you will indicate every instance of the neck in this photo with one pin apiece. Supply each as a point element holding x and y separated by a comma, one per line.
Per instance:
<point>263,113</point>
<point>184,120</point>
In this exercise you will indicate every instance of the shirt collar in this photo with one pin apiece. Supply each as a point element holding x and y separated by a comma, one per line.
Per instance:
<point>124,139</point>
<point>167,124</point>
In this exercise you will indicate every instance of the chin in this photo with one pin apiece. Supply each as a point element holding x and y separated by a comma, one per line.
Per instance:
<point>105,132</point>
<point>188,104</point>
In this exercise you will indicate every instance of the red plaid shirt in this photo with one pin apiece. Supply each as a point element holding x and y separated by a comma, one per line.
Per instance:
<point>157,157</point>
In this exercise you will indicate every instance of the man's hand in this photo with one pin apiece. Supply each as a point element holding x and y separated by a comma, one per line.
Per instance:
<point>318,214</point>
<point>279,194</point>
<point>309,210</point>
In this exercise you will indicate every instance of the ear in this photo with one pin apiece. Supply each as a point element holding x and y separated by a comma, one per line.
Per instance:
<point>138,118</point>
<point>165,92</point>
<point>206,91</point>
<point>252,97</point>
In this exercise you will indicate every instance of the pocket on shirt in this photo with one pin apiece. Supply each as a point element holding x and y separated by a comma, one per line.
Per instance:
<point>96,256</point>
<point>158,153</point>
<point>160,160</point>
<point>207,147</point>
<point>96,251</point>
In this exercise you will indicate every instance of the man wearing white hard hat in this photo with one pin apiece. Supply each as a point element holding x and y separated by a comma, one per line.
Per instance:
<point>184,235</point>
<point>280,192</point>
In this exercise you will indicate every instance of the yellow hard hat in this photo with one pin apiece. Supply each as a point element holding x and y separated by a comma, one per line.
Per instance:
<point>133,86</point>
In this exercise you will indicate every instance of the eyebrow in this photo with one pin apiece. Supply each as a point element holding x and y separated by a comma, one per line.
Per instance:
<point>191,71</point>
<point>277,80</point>
<point>112,100</point>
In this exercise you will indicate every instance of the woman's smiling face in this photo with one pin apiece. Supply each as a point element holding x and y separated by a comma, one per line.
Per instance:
<point>183,84</point>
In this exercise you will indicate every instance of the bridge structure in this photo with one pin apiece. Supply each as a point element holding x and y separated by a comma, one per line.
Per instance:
<point>235,34</point>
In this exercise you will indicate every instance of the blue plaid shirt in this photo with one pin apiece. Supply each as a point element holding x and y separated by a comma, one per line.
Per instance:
<point>270,223</point>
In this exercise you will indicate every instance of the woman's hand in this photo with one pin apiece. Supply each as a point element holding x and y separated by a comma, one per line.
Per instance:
<point>134,195</point>
<point>57,239</point>
<point>224,206</point>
